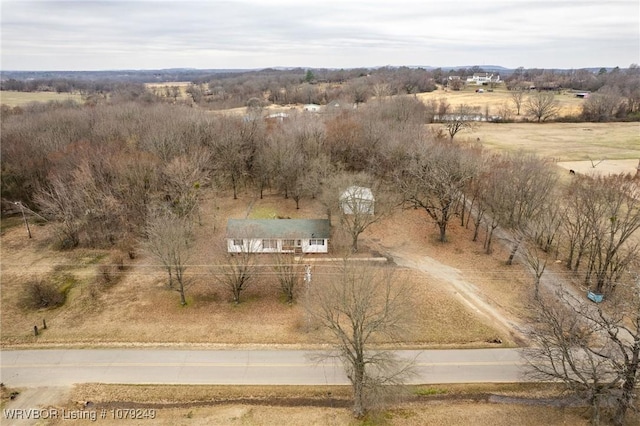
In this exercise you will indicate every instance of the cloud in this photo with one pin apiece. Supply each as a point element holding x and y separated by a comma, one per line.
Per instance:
<point>113,34</point>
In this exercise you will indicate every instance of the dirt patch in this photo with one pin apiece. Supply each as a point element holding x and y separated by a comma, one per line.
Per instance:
<point>601,167</point>
<point>34,398</point>
<point>481,284</point>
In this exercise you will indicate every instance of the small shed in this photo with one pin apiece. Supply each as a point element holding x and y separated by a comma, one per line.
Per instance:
<point>278,235</point>
<point>357,199</point>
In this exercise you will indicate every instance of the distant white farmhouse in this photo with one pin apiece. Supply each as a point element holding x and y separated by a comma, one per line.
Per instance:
<point>481,78</point>
<point>311,108</point>
<point>278,235</point>
<point>357,199</point>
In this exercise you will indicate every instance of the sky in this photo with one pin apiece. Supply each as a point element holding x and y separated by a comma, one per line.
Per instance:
<point>158,34</point>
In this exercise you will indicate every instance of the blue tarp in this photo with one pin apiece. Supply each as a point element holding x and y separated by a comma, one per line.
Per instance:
<point>594,297</point>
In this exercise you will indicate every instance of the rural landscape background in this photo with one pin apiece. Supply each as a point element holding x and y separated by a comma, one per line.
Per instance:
<point>494,197</point>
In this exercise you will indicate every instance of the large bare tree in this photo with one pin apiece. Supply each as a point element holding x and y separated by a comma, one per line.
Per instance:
<point>516,94</point>
<point>602,105</point>
<point>614,217</point>
<point>515,192</point>
<point>238,270</point>
<point>183,179</point>
<point>361,306</point>
<point>168,239</point>
<point>433,180</point>
<point>542,106</point>
<point>463,118</point>
<point>593,349</point>
<point>289,268</point>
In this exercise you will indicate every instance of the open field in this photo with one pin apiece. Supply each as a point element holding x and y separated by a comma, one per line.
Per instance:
<point>604,167</point>
<point>140,310</point>
<point>13,98</point>
<point>562,141</point>
<point>568,103</point>
<point>162,88</point>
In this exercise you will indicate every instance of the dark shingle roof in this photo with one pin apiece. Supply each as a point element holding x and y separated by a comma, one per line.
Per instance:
<point>278,228</point>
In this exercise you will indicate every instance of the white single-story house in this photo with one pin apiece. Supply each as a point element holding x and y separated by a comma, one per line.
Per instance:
<point>278,235</point>
<point>277,116</point>
<point>311,108</point>
<point>481,78</point>
<point>357,199</point>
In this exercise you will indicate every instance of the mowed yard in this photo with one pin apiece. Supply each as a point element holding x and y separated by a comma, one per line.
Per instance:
<point>140,310</point>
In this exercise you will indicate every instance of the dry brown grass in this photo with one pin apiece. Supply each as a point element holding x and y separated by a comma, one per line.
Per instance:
<point>13,99</point>
<point>563,141</point>
<point>604,167</point>
<point>568,103</point>
<point>140,310</point>
<point>321,405</point>
<point>160,88</point>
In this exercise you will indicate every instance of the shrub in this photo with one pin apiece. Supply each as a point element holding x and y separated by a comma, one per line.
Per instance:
<point>41,294</point>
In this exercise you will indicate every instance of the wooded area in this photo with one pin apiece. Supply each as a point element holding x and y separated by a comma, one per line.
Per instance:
<point>128,170</point>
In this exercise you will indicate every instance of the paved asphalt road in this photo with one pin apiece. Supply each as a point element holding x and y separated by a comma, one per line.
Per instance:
<point>32,368</point>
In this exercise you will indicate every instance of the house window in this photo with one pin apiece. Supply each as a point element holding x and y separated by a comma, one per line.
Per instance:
<point>288,243</point>
<point>316,242</point>
<point>269,244</point>
<point>238,243</point>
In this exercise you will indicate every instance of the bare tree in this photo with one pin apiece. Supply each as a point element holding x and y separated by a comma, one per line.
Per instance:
<point>358,200</point>
<point>289,268</point>
<point>517,97</point>
<point>602,105</point>
<point>542,106</point>
<point>360,306</point>
<point>168,239</point>
<point>576,231</point>
<point>462,119</point>
<point>238,271</point>
<point>614,217</point>
<point>515,193</point>
<point>183,177</point>
<point>434,179</point>
<point>230,153</point>
<point>84,203</point>
<point>58,202</point>
<point>593,349</point>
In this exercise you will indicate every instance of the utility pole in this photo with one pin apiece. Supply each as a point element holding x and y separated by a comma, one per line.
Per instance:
<point>24,217</point>
<point>307,281</point>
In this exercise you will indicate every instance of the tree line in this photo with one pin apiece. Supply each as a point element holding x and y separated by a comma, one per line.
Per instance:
<point>616,92</point>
